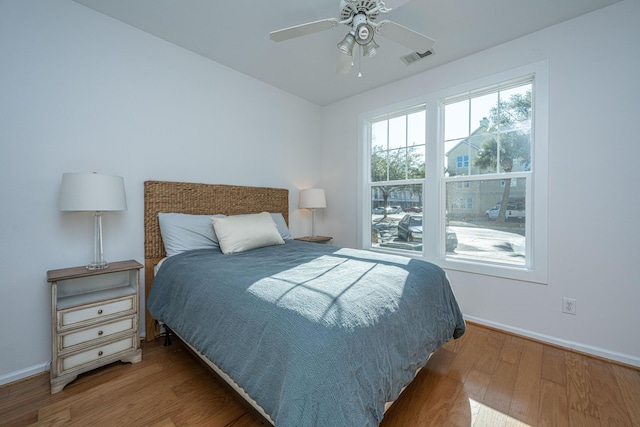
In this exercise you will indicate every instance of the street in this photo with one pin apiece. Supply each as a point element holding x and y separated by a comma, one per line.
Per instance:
<point>487,244</point>
<point>483,240</point>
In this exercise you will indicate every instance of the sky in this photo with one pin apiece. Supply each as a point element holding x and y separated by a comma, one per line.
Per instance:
<point>461,119</point>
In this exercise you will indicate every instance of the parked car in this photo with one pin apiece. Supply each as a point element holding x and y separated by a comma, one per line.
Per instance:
<point>513,212</point>
<point>410,230</point>
<point>415,209</point>
<point>452,240</point>
<point>389,210</point>
<point>493,212</point>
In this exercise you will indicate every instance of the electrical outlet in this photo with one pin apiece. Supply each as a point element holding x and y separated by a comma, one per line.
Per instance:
<point>569,305</point>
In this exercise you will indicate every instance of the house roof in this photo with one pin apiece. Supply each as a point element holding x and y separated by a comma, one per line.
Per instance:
<point>479,130</point>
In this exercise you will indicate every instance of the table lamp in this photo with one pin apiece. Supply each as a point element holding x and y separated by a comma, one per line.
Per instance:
<point>95,193</point>
<point>312,198</point>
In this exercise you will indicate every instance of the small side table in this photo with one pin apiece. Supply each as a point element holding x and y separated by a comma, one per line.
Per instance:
<point>94,319</point>
<point>314,239</point>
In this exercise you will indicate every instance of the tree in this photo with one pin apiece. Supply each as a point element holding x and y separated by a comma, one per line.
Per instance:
<point>400,164</point>
<point>510,122</point>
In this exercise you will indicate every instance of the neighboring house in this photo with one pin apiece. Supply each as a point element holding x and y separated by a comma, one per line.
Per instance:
<point>471,199</point>
<point>460,158</point>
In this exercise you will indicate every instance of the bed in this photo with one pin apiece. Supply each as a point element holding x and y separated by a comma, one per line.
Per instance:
<point>308,334</point>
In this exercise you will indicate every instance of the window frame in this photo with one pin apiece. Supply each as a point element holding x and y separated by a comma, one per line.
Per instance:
<point>434,195</point>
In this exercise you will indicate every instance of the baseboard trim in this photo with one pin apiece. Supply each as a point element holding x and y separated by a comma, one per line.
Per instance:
<point>24,373</point>
<point>31,371</point>
<point>625,359</point>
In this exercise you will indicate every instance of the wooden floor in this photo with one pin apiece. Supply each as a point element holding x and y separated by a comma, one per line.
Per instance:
<point>486,378</point>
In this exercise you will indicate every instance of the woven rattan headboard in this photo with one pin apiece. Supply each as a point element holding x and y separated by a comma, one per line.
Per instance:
<point>199,199</point>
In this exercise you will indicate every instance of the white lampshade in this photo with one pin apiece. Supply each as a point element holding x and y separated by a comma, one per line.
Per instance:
<point>92,192</point>
<point>96,193</point>
<point>312,198</point>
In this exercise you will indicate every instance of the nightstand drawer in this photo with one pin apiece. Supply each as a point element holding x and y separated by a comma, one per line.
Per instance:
<point>95,312</point>
<point>101,331</point>
<point>78,360</point>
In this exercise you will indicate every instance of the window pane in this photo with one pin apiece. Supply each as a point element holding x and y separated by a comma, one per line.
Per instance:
<point>456,125</point>
<point>379,135</point>
<point>398,132</point>
<point>514,109</point>
<point>397,164</point>
<point>485,228</point>
<point>451,166</point>
<point>481,109</point>
<point>416,128</point>
<point>379,165</point>
<point>396,217</point>
<point>415,162</point>
<point>515,151</point>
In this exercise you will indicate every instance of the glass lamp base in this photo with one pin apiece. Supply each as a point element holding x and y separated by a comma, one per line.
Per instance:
<point>98,262</point>
<point>97,265</point>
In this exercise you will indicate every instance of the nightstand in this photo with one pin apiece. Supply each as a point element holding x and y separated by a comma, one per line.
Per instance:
<point>94,319</point>
<point>314,239</point>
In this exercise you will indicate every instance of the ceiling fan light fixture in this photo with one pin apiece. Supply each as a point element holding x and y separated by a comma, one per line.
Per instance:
<point>364,34</point>
<point>347,43</point>
<point>370,49</point>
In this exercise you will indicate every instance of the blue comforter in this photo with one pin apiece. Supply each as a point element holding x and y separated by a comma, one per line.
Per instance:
<point>317,335</point>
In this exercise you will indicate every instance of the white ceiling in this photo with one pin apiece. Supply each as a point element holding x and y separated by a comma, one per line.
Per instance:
<point>236,33</point>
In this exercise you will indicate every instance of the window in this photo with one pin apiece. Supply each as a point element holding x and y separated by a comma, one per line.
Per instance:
<point>462,204</point>
<point>396,179</point>
<point>451,178</point>
<point>462,162</point>
<point>493,128</point>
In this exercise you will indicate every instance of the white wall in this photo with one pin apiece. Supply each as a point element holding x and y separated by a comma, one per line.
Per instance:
<point>80,92</point>
<point>594,234</point>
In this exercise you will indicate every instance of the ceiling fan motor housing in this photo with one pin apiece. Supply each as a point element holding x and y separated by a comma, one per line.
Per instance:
<point>349,8</point>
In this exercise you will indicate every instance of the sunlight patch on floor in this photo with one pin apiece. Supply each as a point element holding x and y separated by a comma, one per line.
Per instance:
<point>485,416</point>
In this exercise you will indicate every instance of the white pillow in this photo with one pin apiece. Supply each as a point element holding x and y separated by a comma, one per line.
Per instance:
<point>240,233</point>
<point>184,232</point>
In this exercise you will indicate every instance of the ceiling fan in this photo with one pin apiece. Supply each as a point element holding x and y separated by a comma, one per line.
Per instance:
<point>361,16</point>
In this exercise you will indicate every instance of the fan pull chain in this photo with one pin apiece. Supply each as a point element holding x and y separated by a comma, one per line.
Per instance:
<point>359,62</point>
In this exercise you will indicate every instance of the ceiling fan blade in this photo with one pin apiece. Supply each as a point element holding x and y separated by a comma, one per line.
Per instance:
<point>394,4</point>
<point>303,29</point>
<point>404,36</point>
<point>344,64</point>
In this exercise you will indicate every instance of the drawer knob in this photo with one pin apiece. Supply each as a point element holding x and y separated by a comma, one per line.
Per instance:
<point>100,332</point>
<point>100,311</point>
<point>100,353</point>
